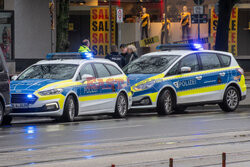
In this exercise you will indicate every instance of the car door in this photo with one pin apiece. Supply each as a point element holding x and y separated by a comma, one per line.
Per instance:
<point>107,88</point>
<point>117,81</point>
<point>187,83</point>
<point>214,76</point>
<point>88,91</point>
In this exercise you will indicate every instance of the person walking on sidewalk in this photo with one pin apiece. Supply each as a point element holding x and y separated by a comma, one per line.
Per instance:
<point>116,57</point>
<point>131,54</point>
<point>124,50</point>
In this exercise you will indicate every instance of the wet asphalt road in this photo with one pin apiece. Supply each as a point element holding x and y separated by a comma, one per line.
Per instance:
<point>143,139</point>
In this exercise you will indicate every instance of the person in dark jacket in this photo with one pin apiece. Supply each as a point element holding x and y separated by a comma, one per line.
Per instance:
<point>123,48</point>
<point>131,54</point>
<point>116,57</point>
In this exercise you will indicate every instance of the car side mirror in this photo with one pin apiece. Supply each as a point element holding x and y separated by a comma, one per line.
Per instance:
<point>185,69</point>
<point>13,78</point>
<point>86,77</point>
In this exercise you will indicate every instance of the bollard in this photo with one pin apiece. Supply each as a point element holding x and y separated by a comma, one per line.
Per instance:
<point>223,159</point>
<point>171,164</point>
<point>113,165</point>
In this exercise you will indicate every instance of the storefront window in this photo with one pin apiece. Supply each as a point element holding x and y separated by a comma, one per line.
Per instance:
<point>6,34</point>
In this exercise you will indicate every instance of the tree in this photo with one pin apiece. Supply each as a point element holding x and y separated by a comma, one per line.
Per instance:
<point>62,43</point>
<point>225,8</point>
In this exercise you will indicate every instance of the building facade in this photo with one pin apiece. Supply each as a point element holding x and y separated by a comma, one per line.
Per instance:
<point>26,36</point>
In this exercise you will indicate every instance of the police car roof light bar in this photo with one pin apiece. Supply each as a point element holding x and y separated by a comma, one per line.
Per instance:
<point>69,55</point>
<point>195,46</point>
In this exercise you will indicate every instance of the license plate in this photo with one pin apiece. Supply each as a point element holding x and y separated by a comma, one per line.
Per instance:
<point>20,105</point>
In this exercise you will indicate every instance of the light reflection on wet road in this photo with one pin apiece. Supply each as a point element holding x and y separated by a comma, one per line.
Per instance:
<point>31,141</point>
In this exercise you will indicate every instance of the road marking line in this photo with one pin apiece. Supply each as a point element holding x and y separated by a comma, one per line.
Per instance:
<point>107,128</point>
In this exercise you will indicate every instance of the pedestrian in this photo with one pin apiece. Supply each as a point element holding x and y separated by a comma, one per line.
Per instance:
<point>124,49</point>
<point>131,54</point>
<point>116,57</point>
<point>85,46</point>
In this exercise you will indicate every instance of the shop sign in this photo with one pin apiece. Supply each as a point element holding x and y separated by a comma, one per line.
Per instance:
<point>198,9</point>
<point>149,41</point>
<point>196,17</point>
<point>119,14</point>
<point>99,30</point>
<point>233,28</point>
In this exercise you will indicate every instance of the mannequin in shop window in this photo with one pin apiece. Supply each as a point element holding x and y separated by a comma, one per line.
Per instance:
<point>185,23</point>
<point>163,36</point>
<point>145,23</point>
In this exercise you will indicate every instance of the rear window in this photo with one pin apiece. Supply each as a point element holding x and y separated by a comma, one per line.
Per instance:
<point>209,61</point>
<point>113,70</point>
<point>225,60</point>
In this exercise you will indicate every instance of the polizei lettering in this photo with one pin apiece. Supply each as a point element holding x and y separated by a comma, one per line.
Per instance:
<point>185,83</point>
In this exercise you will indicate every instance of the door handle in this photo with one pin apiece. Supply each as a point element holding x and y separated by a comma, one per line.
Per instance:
<point>222,74</point>
<point>198,77</point>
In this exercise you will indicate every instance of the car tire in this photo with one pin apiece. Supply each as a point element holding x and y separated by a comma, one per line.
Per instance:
<point>121,106</point>
<point>69,111</point>
<point>1,113</point>
<point>7,120</point>
<point>165,104</point>
<point>231,99</point>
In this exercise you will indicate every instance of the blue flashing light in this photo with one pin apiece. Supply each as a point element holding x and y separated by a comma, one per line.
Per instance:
<point>88,55</point>
<point>69,55</point>
<point>29,96</point>
<point>197,46</point>
<point>193,46</point>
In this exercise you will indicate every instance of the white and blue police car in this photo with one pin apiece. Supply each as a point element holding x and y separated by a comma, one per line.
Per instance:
<point>180,75</point>
<point>70,84</point>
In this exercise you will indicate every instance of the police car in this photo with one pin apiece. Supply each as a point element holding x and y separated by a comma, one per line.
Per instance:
<point>179,76</point>
<point>71,84</point>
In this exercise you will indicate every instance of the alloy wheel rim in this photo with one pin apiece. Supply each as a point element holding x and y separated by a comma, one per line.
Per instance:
<point>71,109</point>
<point>122,105</point>
<point>232,98</point>
<point>168,103</point>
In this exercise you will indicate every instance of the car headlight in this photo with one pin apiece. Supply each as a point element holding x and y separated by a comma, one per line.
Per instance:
<point>50,92</point>
<point>144,86</point>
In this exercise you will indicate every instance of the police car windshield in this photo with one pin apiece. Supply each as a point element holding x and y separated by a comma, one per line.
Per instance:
<point>49,71</point>
<point>150,64</point>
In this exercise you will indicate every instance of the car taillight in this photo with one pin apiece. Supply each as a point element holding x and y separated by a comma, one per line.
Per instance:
<point>241,71</point>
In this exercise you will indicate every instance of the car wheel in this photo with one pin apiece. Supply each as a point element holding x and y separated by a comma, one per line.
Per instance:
<point>7,120</point>
<point>166,103</point>
<point>231,99</point>
<point>121,107</point>
<point>69,109</point>
<point>1,113</point>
